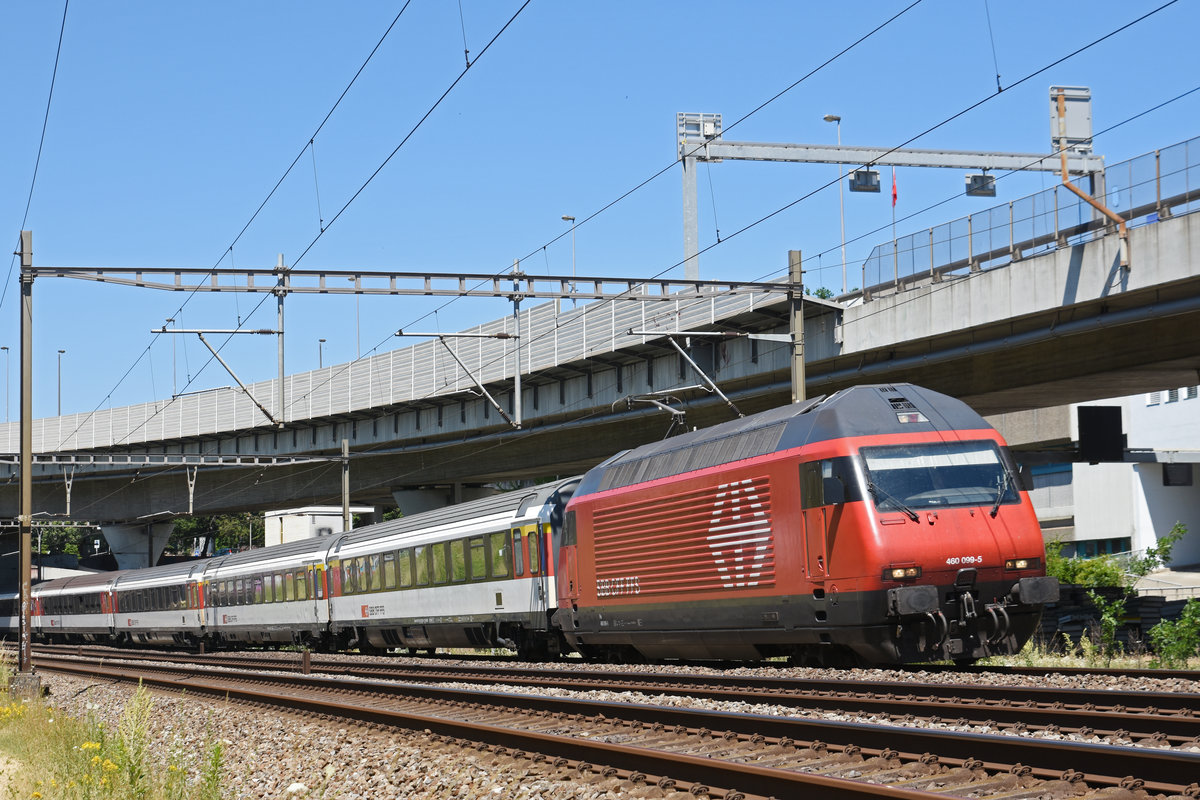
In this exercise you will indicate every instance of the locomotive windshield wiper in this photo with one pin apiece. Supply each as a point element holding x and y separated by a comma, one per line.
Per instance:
<point>1001,490</point>
<point>876,492</point>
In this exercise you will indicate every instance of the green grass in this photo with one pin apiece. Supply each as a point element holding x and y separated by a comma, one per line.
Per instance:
<point>62,757</point>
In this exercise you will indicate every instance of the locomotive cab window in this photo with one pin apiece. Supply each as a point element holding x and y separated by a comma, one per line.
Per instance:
<point>939,474</point>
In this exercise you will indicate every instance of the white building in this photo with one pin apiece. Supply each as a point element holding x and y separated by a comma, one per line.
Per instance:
<point>1119,507</point>
<point>294,524</point>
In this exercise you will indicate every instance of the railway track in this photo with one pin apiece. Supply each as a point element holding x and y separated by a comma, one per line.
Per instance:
<point>1149,718</point>
<point>713,753</point>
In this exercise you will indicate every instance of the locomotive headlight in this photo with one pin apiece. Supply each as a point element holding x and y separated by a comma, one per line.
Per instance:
<point>1022,563</point>
<point>901,573</point>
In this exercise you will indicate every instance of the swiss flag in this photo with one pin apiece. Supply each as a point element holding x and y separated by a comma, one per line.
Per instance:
<point>893,187</point>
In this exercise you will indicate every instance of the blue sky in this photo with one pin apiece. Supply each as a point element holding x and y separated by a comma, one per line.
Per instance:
<point>171,122</point>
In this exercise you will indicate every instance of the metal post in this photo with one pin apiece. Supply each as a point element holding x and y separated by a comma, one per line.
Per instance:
<point>796,294</point>
<point>345,485</point>
<point>60,355</point>
<point>24,661</point>
<point>691,224</point>
<point>516,298</point>
<point>280,291</point>
<point>7,371</point>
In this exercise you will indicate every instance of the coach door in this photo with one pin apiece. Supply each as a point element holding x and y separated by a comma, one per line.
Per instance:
<point>529,554</point>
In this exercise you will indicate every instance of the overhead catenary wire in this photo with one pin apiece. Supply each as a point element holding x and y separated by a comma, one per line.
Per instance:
<point>37,162</point>
<point>267,295</point>
<point>964,111</point>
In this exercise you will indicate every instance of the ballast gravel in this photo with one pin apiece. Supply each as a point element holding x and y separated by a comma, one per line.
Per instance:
<point>270,754</point>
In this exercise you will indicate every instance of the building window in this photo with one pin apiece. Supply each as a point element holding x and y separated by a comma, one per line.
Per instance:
<point>1177,474</point>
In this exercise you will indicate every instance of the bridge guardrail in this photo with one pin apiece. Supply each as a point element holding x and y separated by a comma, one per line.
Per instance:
<point>1144,189</point>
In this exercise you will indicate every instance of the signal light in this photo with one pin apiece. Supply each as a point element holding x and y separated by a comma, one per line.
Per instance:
<point>901,573</point>
<point>910,416</point>
<point>1022,563</point>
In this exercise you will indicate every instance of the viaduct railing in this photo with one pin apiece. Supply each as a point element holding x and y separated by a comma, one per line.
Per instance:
<point>1143,190</point>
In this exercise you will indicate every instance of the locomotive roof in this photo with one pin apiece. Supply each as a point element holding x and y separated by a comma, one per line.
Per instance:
<point>867,410</point>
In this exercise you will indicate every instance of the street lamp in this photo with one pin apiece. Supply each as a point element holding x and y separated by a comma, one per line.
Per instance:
<point>60,355</point>
<point>841,203</point>
<point>5,349</point>
<point>570,219</point>
<point>320,353</point>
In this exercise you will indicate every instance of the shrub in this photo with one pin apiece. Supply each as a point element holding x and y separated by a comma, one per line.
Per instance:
<point>1176,641</point>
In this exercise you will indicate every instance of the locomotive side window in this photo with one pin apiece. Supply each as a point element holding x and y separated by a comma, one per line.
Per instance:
<point>829,482</point>
<point>517,551</point>
<point>405,559</point>
<point>389,570</point>
<point>458,560</point>
<point>501,555</point>
<point>568,529</point>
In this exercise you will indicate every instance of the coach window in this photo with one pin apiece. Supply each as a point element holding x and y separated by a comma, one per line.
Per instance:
<point>389,570</point>
<point>500,554</point>
<point>361,577</point>
<point>375,571</point>
<point>258,589</point>
<point>289,587</point>
<point>302,584</point>
<point>277,579</point>
<point>421,562</point>
<point>478,558</point>
<point>518,554</point>
<point>405,558</point>
<point>268,584</point>
<point>458,560</point>
<point>535,552</point>
<point>441,573</point>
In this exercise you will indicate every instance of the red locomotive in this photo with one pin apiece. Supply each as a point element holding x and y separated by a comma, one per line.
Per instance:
<point>881,524</point>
